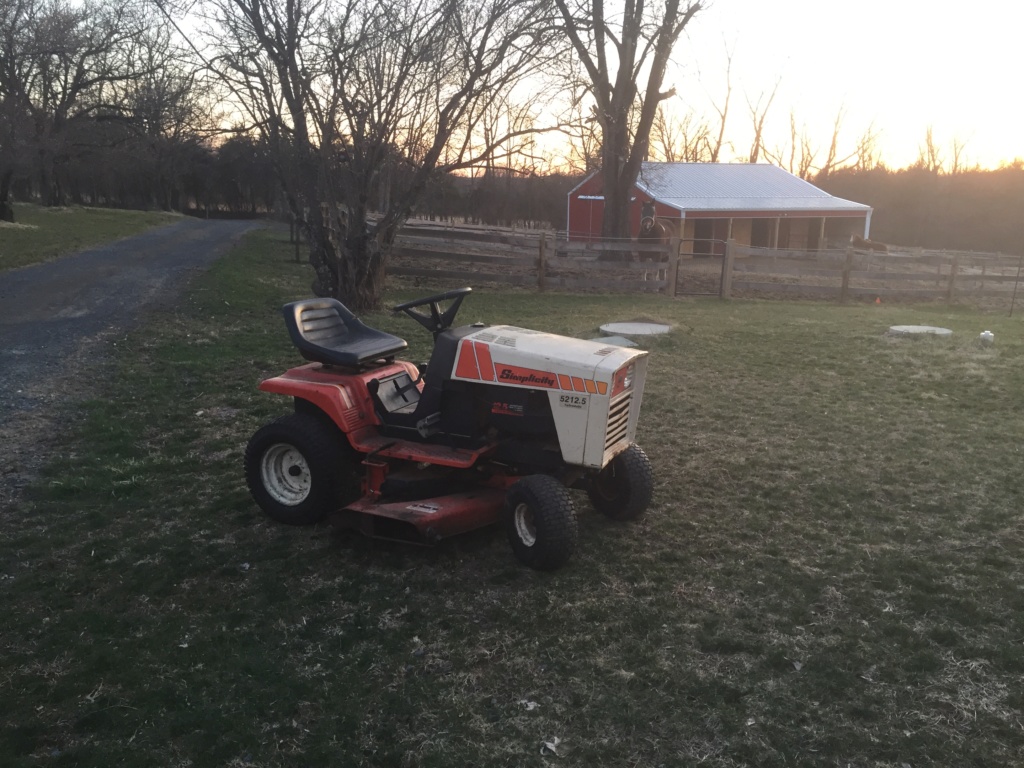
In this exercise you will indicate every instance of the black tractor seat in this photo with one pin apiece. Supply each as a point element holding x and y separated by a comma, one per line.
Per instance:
<point>325,331</point>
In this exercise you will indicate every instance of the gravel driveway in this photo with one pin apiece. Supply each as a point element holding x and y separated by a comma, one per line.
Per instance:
<point>56,320</point>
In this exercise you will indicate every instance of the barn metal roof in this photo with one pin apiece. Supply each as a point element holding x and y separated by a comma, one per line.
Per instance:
<point>736,187</point>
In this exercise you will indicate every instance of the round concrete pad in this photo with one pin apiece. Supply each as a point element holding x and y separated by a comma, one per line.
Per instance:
<point>915,330</point>
<point>635,329</point>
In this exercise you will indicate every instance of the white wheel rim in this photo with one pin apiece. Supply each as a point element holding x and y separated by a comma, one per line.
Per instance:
<point>285,474</point>
<point>525,529</point>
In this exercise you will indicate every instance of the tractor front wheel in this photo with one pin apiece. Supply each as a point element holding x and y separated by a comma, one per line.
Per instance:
<point>298,469</point>
<point>623,489</point>
<point>540,521</point>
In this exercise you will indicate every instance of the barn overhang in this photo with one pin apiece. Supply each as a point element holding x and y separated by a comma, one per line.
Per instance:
<point>769,214</point>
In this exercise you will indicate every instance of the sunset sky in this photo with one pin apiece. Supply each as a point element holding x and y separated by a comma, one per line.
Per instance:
<point>903,64</point>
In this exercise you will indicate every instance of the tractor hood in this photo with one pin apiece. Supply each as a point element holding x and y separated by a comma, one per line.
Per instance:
<point>594,389</point>
<point>519,357</point>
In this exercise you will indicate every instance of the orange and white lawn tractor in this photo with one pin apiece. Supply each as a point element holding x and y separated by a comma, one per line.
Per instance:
<point>499,425</point>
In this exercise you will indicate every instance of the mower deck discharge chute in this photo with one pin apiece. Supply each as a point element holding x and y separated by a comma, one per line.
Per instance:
<point>497,428</point>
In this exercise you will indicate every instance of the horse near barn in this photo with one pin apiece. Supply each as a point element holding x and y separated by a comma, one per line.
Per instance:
<point>868,245</point>
<point>652,232</point>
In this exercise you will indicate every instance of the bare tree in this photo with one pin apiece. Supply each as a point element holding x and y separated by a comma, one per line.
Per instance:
<point>798,156</point>
<point>929,156</point>
<point>160,120</point>
<point>680,139</point>
<point>365,101</point>
<point>581,127</point>
<point>617,55</point>
<point>60,65</point>
<point>715,148</point>
<point>957,147</point>
<point>832,159</point>
<point>758,114</point>
<point>867,154</point>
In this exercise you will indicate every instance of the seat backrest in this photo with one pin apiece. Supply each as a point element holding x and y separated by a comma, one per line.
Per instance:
<point>325,331</point>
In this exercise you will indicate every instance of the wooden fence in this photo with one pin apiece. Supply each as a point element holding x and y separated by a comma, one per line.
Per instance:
<point>534,260</point>
<point>475,255</point>
<point>850,273</point>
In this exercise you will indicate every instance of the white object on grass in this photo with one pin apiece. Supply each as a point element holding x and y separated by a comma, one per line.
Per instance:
<point>635,329</point>
<point>915,330</point>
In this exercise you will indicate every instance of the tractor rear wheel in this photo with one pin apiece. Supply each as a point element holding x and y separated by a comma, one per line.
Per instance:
<point>623,489</point>
<point>540,521</point>
<point>299,468</point>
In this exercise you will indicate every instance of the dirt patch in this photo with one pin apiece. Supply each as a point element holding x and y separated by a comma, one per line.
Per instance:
<point>32,433</point>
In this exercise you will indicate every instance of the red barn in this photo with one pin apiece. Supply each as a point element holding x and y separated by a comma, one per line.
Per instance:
<point>705,204</point>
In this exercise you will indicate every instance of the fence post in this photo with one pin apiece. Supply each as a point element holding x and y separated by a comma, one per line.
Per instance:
<point>953,269</point>
<point>542,257</point>
<point>725,291</point>
<point>844,292</point>
<point>672,276</point>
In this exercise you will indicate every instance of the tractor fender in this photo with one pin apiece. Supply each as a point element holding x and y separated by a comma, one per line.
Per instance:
<point>343,397</point>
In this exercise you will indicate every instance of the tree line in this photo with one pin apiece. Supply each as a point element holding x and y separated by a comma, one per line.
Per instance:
<point>99,106</point>
<point>926,207</point>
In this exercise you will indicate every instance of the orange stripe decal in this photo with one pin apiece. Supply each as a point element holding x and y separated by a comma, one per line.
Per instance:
<point>591,388</point>
<point>483,358</point>
<point>602,387</point>
<point>466,367</point>
<point>565,381</point>
<point>577,384</point>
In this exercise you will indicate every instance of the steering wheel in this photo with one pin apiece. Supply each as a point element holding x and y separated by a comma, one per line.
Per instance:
<point>437,320</point>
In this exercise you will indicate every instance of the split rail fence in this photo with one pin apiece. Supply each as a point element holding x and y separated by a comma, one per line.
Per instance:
<point>855,274</point>
<point>538,260</point>
<point>544,261</point>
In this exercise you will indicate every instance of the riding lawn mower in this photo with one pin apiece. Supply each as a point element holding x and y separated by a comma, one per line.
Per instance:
<point>497,427</point>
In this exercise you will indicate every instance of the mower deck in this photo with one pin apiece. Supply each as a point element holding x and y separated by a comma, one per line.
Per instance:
<point>422,521</point>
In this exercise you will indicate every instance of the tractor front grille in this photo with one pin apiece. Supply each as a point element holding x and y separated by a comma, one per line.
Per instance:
<point>618,419</point>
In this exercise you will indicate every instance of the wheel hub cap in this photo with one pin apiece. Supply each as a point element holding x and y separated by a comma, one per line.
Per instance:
<point>285,474</point>
<point>525,529</point>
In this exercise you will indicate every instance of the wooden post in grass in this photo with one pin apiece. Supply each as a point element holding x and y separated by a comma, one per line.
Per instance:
<point>725,289</point>
<point>953,269</point>
<point>844,292</point>
<point>672,275</point>
<point>542,258</point>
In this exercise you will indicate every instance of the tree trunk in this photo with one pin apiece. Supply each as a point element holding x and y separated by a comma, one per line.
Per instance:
<point>6,209</point>
<point>350,265</point>
<point>612,162</point>
<point>46,191</point>
<point>618,182</point>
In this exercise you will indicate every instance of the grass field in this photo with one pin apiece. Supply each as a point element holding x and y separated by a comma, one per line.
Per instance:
<point>40,234</point>
<point>830,574</point>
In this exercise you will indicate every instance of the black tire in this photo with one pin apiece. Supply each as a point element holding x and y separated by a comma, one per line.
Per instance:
<point>623,489</point>
<point>298,468</point>
<point>540,521</point>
